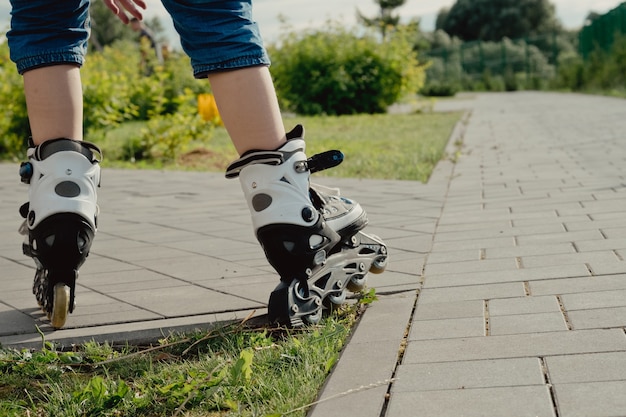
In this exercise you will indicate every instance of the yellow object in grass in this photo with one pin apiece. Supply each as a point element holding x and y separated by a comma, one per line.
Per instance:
<point>207,108</point>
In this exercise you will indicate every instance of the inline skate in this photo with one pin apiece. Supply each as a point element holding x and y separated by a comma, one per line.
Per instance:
<point>60,219</point>
<point>310,234</point>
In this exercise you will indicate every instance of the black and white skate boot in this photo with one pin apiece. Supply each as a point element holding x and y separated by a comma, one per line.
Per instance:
<point>310,234</point>
<point>60,219</point>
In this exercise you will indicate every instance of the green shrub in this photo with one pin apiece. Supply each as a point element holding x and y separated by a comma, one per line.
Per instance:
<point>14,127</point>
<point>115,90</point>
<point>491,66</point>
<point>166,136</point>
<point>337,72</point>
<point>439,89</point>
<point>607,70</point>
<point>510,81</point>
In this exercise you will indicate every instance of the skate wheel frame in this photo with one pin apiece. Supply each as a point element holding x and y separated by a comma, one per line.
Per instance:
<point>60,305</point>
<point>296,304</point>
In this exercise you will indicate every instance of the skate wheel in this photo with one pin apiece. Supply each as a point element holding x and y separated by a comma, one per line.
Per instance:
<point>60,305</point>
<point>335,300</point>
<point>356,283</point>
<point>313,318</point>
<point>378,266</point>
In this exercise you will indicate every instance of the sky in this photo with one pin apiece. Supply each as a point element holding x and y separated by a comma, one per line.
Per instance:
<point>314,13</point>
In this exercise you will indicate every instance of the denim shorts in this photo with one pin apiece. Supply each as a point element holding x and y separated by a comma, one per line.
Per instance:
<point>217,35</point>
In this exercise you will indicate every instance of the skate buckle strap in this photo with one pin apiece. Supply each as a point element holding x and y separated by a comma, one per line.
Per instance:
<point>252,158</point>
<point>50,147</point>
<point>324,160</point>
<point>316,163</point>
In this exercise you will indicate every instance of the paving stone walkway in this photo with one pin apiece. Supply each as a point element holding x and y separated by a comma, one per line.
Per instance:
<point>505,294</point>
<point>522,301</point>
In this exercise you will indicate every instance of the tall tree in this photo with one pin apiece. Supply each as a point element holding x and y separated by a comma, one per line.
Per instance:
<point>386,18</point>
<point>492,20</point>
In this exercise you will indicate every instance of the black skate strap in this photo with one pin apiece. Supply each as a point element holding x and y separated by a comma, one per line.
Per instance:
<point>251,158</point>
<point>53,146</point>
<point>324,160</point>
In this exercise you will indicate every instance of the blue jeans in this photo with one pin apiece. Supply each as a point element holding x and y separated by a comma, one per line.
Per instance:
<point>217,35</point>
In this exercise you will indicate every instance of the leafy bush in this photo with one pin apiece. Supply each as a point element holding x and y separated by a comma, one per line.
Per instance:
<point>491,66</point>
<point>337,72</point>
<point>571,74</point>
<point>607,70</point>
<point>115,90</point>
<point>14,127</point>
<point>439,89</point>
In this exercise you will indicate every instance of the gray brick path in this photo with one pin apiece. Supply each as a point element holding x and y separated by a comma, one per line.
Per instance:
<point>504,296</point>
<point>522,302</point>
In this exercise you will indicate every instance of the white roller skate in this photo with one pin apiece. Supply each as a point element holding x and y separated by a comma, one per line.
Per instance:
<point>310,234</point>
<point>60,219</point>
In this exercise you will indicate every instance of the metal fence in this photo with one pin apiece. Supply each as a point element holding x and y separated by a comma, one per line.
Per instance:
<point>602,32</point>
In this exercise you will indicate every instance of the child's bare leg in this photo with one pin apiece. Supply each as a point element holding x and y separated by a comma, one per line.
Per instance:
<point>54,98</point>
<point>249,108</point>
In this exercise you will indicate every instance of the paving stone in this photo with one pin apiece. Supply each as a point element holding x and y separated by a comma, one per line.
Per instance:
<point>476,265</point>
<point>598,399</point>
<point>13,321</point>
<point>467,375</point>
<point>198,268</point>
<point>532,250</point>
<point>515,346</point>
<point>471,292</point>
<point>562,237</point>
<point>502,276</point>
<point>532,401</point>
<point>567,220</point>
<point>523,305</point>
<point>420,244</point>
<point>594,300</point>
<point>473,244</point>
<point>450,310</point>
<point>456,256</point>
<point>447,328</point>
<point>602,258</point>
<point>184,300</point>
<point>469,226</point>
<point>351,374</point>
<point>592,367</point>
<point>588,224</point>
<point>612,267</point>
<point>391,281</point>
<point>596,245</point>
<point>598,318</point>
<point>409,266</point>
<point>526,323</point>
<point>455,236</point>
<point>386,319</point>
<point>578,285</point>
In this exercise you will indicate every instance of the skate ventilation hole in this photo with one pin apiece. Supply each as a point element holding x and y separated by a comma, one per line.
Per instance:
<point>67,189</point>
<point>261,201</point>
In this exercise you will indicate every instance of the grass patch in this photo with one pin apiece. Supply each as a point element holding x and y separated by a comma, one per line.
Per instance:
<point>234,370</point>
<point>386,146</point>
